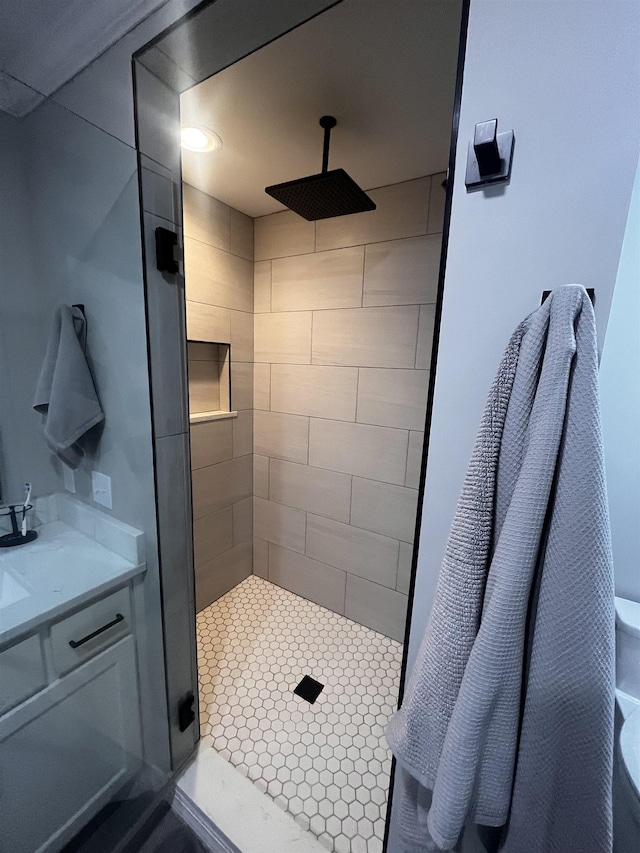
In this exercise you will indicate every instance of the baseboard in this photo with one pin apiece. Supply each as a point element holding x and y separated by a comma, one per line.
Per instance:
<point>208,833</point>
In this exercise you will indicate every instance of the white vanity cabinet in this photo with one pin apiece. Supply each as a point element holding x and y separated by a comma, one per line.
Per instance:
<point>69,723</point>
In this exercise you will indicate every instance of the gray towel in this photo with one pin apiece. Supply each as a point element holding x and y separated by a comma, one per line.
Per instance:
<point>525,596</point>
<point>65,394</point>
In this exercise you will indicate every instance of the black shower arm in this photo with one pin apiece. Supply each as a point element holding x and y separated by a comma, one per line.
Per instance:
<point>327,122</point>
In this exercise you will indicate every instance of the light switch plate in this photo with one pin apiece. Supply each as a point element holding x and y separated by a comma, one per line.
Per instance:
<point>101,485</point>
<point>69,478</point>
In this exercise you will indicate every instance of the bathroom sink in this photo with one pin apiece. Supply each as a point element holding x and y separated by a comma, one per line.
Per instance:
<point>10,590</point>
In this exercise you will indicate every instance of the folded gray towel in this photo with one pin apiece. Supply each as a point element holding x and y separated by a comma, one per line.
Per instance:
<point>66,395</point>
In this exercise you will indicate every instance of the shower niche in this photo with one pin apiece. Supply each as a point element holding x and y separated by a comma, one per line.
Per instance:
<point>209,366</point>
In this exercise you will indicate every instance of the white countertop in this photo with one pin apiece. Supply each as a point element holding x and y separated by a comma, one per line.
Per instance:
<point>60,570</point>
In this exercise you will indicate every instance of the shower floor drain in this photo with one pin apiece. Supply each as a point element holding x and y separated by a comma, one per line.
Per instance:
<point>309,689</point>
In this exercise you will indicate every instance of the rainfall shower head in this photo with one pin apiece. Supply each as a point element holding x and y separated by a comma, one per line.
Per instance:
<point>330,193</point>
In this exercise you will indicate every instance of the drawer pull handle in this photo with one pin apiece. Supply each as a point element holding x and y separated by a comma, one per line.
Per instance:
<point>75,643</point>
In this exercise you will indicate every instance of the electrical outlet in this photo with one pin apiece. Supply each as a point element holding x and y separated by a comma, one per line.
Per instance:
<point>69,478</point>
<point>101,485</point>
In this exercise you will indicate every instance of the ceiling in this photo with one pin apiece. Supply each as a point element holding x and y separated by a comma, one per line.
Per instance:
<point>44,43</point>
<point>385,69</point>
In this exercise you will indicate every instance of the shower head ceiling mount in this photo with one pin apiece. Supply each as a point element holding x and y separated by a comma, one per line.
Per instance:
<point>327,194</point>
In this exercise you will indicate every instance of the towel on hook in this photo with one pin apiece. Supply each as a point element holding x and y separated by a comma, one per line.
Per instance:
<point>66,395</point>
<point>507,719</point>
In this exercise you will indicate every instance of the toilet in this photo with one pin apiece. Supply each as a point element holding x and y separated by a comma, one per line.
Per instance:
<point>626,781</point>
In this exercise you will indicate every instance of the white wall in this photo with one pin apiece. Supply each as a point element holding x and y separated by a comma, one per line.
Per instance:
<point>564,76</point>
<point>620,401</point>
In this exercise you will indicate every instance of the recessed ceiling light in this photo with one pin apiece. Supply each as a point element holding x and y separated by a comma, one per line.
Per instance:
<point>198,138</point>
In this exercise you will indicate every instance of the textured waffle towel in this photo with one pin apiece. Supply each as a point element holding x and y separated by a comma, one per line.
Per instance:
<point>65,395</point>
<point>507,719</point>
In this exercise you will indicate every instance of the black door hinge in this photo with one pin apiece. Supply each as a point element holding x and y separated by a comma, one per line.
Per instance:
<point>186,714</point>
<point>166,241</point>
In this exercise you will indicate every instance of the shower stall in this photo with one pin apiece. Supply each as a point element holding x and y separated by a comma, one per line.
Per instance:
<point>309,330</point>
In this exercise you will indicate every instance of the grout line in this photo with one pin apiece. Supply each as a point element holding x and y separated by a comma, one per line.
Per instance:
<point>415,360</point>
<point>316,310</point>
<point>398,567</point>
<point>429,200</point>
<point>311,340</point>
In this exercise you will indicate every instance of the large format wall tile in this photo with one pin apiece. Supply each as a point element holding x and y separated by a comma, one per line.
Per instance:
<point>212,535</point>
<point>243,433</point>
<point>261,475</point>
<point>321,392</point>
<point>358,552</point>
<point>208,323</point>
<point>241,234</point>
<point>312,489</point>
<point>282,234</point>
<point>366,451</point>
<point>402,272</point>
<point>205,218</point>
<point>261,386</point>
<point>222,573</point>
<point>405,561</point>
<point>260,557</point>
<point>283,436</point>
<point>402,211</point>
<point>366,337</point>
<point>157,189</point>
<point>381,609</point>
<point>384,508</point>
<point>221,485</point>
<point>414,459</point>
<point>321,280</point>
<point>283,338</point>
<point>241,336</point>
<point>211,443</point>
<point>395,398</point>
<point>174,520</point>
<point>262,287</point>
<point>309,578</point>
<point>279,524</point>
<point>243,521</point>
<point>216,277</point>
<point>425,336</point>
<point>241,385</point>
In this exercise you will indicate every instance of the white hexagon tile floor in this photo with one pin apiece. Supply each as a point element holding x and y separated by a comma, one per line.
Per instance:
<point>327,764</point>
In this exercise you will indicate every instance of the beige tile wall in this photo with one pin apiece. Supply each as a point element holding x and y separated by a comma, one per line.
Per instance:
<point>343,329</point>
<point>219,290</point>
<point>314,484</point>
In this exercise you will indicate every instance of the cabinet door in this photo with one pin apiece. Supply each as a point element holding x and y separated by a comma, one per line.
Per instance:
<point>66,751</point>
